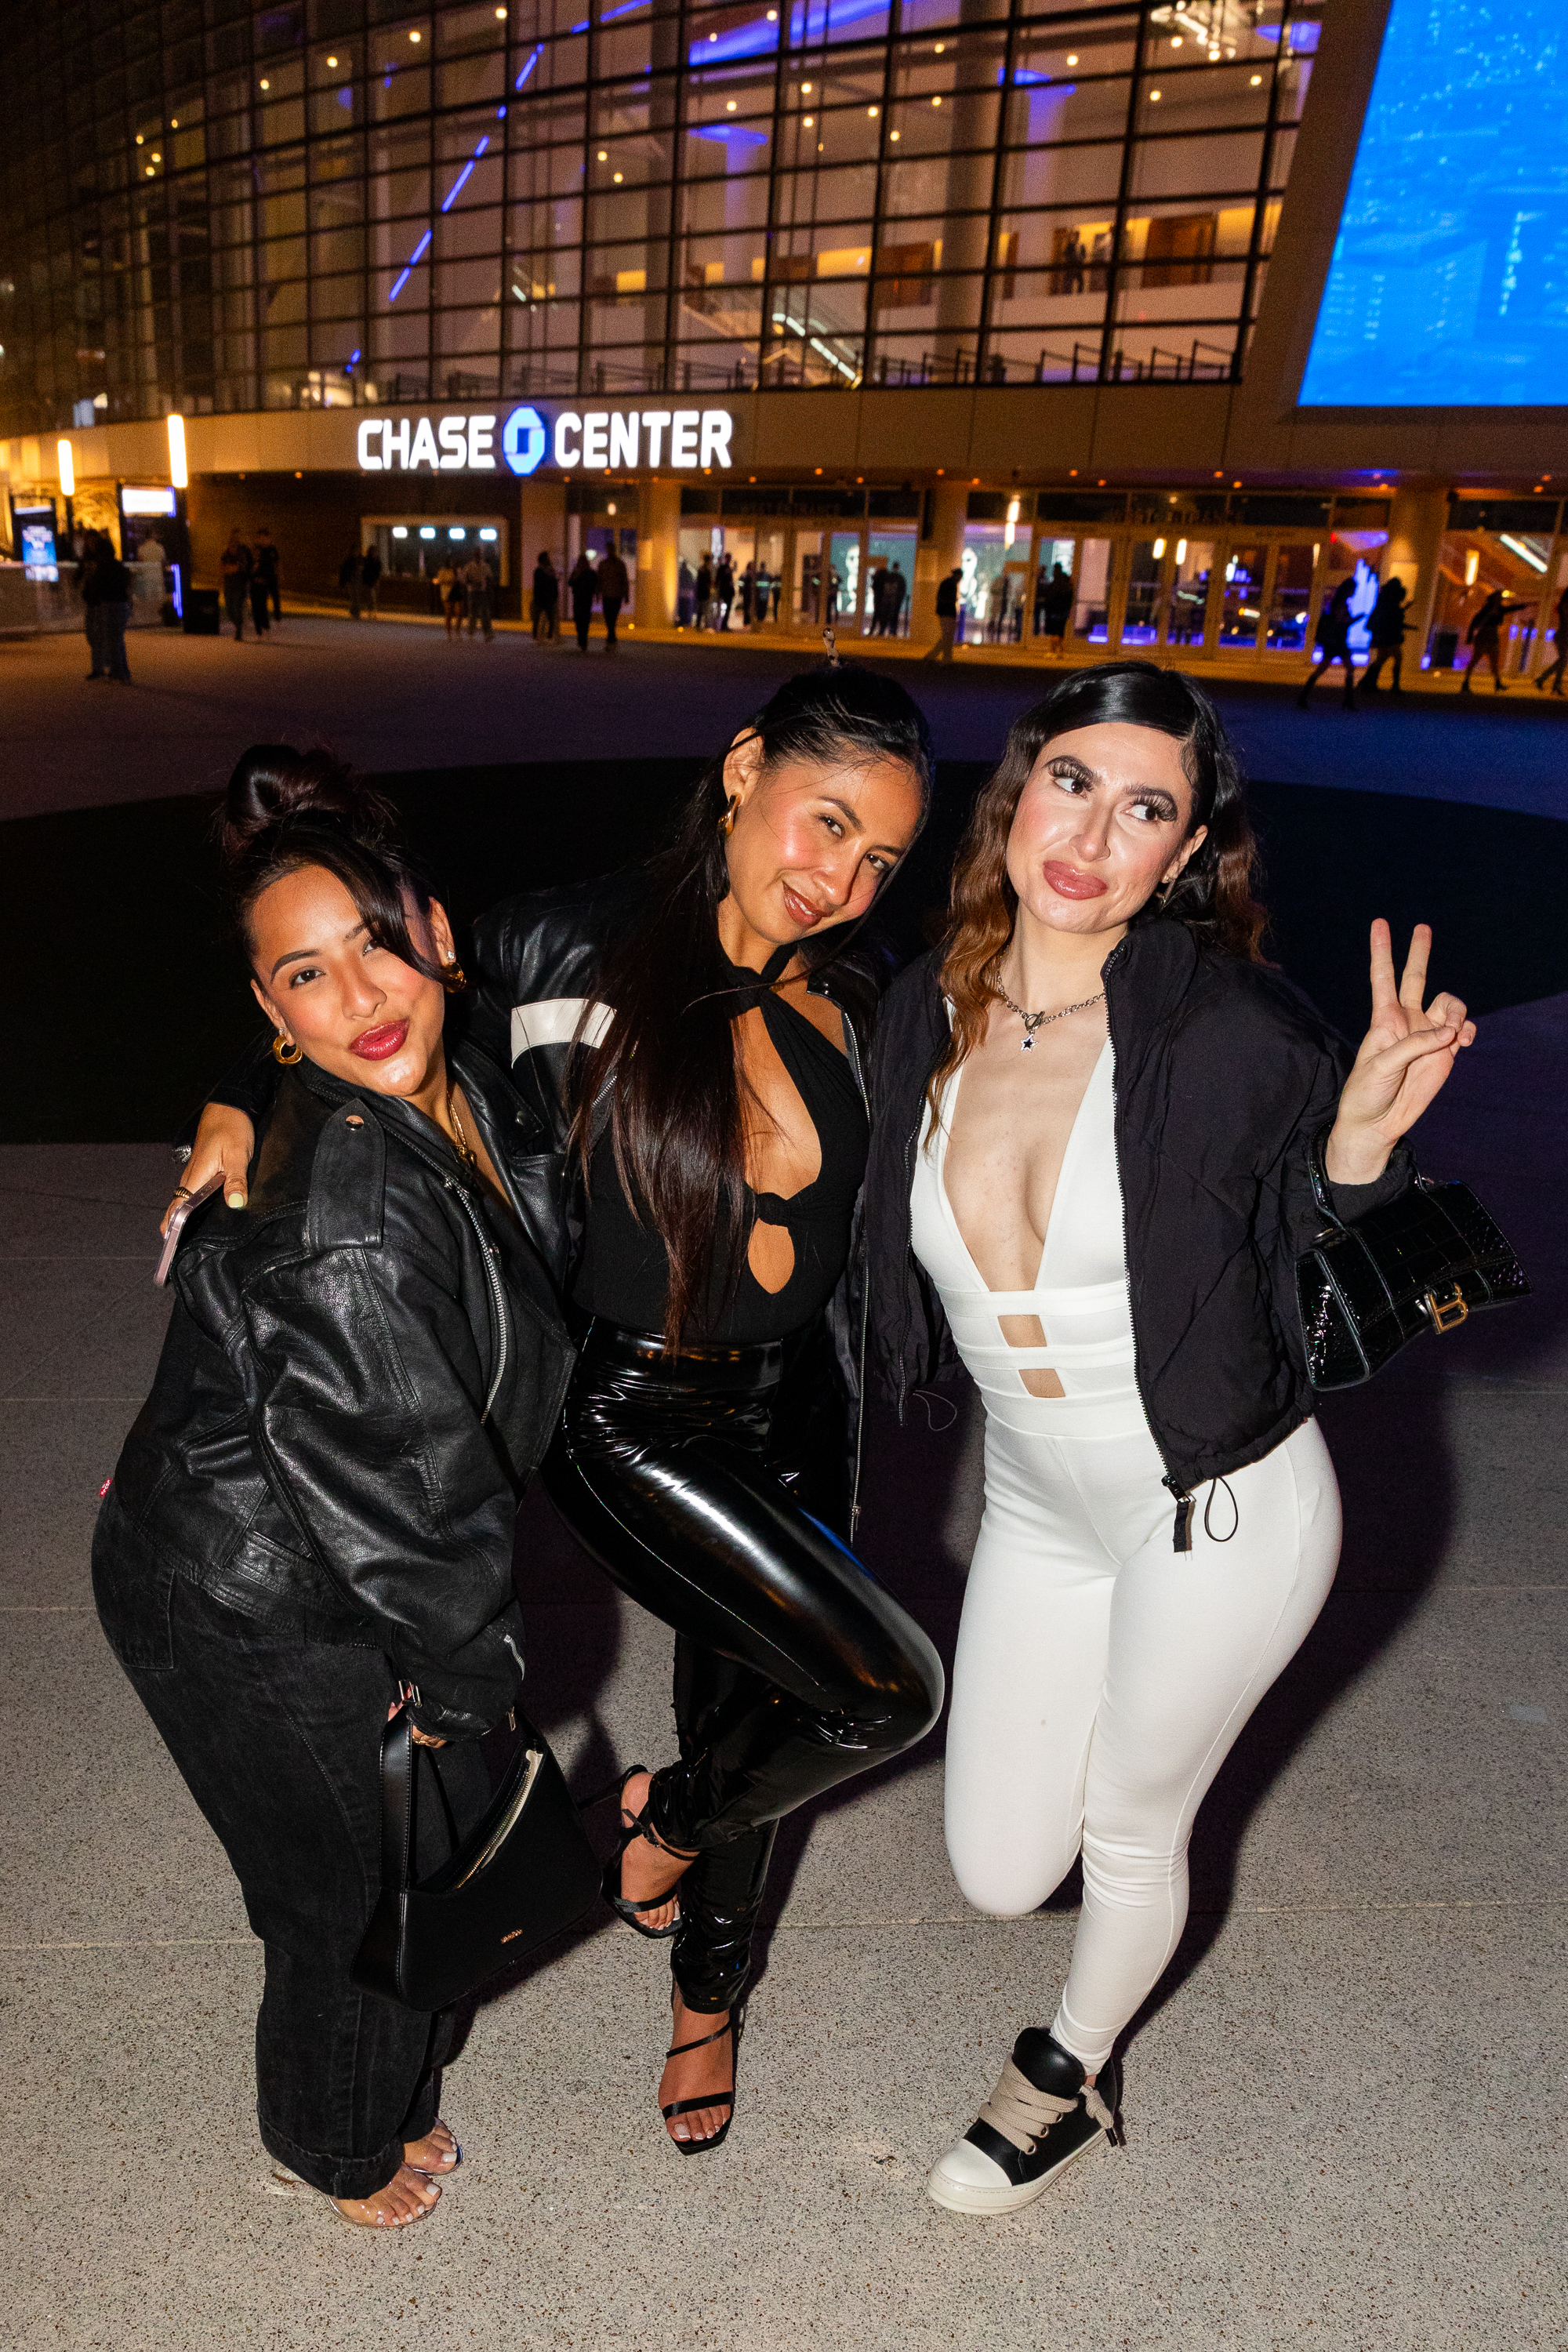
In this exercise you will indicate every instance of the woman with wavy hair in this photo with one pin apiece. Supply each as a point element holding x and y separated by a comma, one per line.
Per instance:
<point>1096,1111</point>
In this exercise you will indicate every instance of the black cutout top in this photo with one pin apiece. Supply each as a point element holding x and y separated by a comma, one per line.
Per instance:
<point>625,1273</point>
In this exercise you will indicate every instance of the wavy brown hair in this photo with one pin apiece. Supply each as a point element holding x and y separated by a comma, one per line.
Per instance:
<point>1212,895</point>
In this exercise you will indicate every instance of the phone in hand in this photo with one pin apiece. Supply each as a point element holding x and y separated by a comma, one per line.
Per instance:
<point>177,1222</point>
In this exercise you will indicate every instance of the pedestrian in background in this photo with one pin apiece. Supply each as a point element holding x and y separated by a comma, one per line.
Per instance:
<point>370,574</point>
<point>1388,628</point>
<point>268,571</point>
<point>1484,636</point>
<point>349,580</point>
<point>478,582</point>
<point>91,611</point>
<point>546,596</point>
<point>946,615</point>
<point>614,585</point>
<point>685,594</point>
<point>106,597</point>
<point>1560,632</point>
<point>893,592</point>
<point>704,591</point>
<point>1334,643</point>
<point>446,584</point>
<point>261,598</point>
<point>584,586</point>
<point>233,564</point>
<point>724,590</point>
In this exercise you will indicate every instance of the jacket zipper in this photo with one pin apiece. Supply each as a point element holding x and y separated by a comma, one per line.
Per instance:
<point>488,1253</point>
<point>854,1058</point>
<point>1181,1534</point>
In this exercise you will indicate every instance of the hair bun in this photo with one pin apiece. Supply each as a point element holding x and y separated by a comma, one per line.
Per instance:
<point>273,785</point>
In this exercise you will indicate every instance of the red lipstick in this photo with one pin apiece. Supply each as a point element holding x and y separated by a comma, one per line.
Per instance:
<point>1070,882</point>
<point>380,1044</point>
<point>799,910</point>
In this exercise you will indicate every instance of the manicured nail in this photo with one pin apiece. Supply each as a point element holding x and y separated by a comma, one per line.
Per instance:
<point>235,1199</point>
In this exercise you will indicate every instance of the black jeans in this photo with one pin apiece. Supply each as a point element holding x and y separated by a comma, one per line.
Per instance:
<point>794,1669</point>
<point>278,1741</point>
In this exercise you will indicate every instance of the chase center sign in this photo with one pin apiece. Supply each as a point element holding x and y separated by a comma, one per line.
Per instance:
<point>612,440</point>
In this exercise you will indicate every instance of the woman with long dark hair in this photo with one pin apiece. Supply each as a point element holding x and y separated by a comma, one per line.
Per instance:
<point>1097,1116</point>
<point>314,1509</point>
<point>689,1040</point>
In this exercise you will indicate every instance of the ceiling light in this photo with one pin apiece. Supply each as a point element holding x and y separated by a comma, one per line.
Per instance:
<point>809,120</point>
<point>618,177</point>
<point>805,90</point>
<point>1257,78</point>
<point>331,61</point>
<point>603,155</point>
<point>426,530</point>
<point>937,100</point>
<point>728,106</point>
<point>892,134</point>
<point>873,111</point>
<point>174,122</point>
<point>139,140</point>
<point>400,531</point>
<point>939,47</point>
<point>267,85</point>
<point>1072,60</point>
<point>1154,94</point>
<point>414,37</point>
<point>1175,40</point>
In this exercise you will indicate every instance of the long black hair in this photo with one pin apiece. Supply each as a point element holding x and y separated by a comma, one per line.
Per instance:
<point>669,1059</point>
<point>286,809</point>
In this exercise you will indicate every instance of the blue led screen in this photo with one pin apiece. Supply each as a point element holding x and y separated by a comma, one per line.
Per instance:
<point>1449,285</point>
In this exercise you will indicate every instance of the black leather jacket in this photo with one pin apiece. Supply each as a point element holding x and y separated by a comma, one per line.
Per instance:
<point>1225,1077</point>
<point>536,964</point>
<point>362,1369</point>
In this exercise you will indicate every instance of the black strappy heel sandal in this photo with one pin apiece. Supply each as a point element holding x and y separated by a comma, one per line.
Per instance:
<point>734,2019</point>
<point>610,1885</point>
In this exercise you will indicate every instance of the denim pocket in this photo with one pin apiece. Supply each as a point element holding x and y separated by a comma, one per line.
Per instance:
<point>133,1586</point>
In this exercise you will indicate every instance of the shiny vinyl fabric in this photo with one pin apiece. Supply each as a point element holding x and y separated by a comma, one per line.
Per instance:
<point>795,1669</point>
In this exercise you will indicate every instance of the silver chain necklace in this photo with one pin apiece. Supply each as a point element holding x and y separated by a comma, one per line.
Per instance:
<point>1033,1020</point>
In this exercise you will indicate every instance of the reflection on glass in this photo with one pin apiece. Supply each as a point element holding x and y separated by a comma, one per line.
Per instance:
<point>1187,619</point>
<point>1241,607</point>
<point>889,569</point>
<point>1091,598</point>
<point>1141,622</point>
<point>1053,588</point>
<point>1288,603</point>
<point>808,577</point>
<point>844,575</point>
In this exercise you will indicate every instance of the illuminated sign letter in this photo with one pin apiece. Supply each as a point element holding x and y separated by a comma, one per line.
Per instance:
<point>394,438</point>
<point>683,436</point>
<point>524,440</point>
<point>717,427</point>
<point>623,437</point>
<point>654,422</point>
<point>596,437</point>
<point>453,433</point>
<point>424,452</point>
<point>481,432</point>
<point>567,422</point>
<point>371,429</point>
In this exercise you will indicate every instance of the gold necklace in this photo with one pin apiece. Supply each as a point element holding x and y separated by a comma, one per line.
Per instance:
<point>466,1152</point>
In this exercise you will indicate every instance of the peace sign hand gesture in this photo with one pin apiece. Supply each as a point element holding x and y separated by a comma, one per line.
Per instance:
<point>1405,1057</point>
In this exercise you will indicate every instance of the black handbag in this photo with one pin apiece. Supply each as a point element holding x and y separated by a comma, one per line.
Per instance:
<point>1421,1263</point>
<point>522,1874</point>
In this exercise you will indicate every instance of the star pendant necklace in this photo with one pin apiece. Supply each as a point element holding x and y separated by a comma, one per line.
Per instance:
<point>1035,1021</point>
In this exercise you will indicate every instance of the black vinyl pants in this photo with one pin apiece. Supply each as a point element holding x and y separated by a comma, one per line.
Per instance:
<point>794,1669</point>
<point>278,1741</point>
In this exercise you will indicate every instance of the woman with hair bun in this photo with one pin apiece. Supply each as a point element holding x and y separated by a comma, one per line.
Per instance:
<point>1094,1113</point>
<point>314,1508</point>
<point>688,1039</point>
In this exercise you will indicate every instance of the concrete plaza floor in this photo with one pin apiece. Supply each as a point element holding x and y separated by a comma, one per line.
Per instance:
<point>396,695</point>
<point>1344,2109</point>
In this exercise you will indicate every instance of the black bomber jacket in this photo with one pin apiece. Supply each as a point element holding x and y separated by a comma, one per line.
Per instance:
<point>1226,1075</point>
<point>362,1369</point>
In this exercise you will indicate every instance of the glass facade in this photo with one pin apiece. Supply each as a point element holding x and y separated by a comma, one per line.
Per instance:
<point>224,208</point>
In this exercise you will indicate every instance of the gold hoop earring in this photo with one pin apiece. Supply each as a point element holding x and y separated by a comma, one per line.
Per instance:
<point>284,1051</point>
<point>726,822</point>
<point>454,977</point>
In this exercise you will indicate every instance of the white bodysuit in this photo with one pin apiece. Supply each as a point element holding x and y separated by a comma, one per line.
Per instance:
<point>1101,1677</point>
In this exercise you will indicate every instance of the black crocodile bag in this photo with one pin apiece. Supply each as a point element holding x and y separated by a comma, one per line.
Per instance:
<point>522,1874</point>
<point>1421,1263</point>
